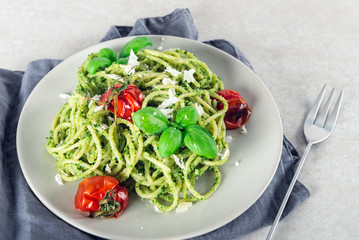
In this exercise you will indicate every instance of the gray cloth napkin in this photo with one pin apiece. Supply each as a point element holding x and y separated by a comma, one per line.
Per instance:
<point>24,217</point>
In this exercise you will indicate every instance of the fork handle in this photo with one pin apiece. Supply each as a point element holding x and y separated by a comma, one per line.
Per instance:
<point>289,191</point>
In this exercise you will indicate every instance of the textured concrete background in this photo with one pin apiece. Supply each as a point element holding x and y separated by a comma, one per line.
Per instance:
<point>294,46</point>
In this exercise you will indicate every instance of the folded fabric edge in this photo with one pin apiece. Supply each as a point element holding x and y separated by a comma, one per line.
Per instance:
<point>178,23</point>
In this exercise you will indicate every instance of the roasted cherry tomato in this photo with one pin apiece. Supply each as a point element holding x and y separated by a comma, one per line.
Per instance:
<point>238,112</point>
<point>128,101</point>
<point>101,196</point>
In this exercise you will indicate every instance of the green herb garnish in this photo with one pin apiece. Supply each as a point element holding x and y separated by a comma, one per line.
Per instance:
<point>195,137</point>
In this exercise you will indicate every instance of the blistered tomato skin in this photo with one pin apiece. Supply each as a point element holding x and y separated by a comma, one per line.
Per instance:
<point>238,112</point>
<point>227,94</point>
<point>122,198</point>
<point>129,101</point>
<point>92,190</point>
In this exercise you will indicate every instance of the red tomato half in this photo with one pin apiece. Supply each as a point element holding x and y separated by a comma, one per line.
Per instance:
<point>129,101</point>
<point>238,112</point>
<point>93,189</point>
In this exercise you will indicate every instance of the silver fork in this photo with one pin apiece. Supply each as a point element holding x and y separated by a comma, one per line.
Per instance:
<point>317,127</point>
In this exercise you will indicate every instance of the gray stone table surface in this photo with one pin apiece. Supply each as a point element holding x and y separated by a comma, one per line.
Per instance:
<point>295,47</point>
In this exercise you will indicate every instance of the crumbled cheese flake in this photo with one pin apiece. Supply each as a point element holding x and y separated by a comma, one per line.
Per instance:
<point>228,138</point>
<point>64,96</point>
<point>59,179</point>
<point>178,161</point>
<point>90,103</point>
<point>115,77</point>
<point>167,112</point>
<point>96,97</point>
<point>104,126</point>
<point>199,109</point>
<point>172,99</point>
<point>236,163</point>
<point>108,169</point>
<point>98,108</point>
<point>183,207</point>
<point>188,75</point>
<point>243,129</point>
<point>167,80</point>
<point>173,71</point>
<point>156,209</point>
<point>131,64</point>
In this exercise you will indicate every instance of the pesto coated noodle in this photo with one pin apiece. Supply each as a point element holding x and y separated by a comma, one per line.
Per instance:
<point>86,140</point>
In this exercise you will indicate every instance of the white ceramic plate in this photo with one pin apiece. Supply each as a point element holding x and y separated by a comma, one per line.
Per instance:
<point>257,152</point>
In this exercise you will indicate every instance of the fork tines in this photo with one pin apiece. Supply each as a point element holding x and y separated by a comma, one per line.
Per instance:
<point>323,119</point>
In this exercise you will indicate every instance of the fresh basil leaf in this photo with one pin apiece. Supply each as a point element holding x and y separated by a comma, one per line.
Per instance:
<point>122,61</point>
<point>97,63</point>
<point>200,141</point>
<point>108,53</point>
<point>187,116</point>
<point>150,119</point>
<point>135,44</point>
<point>170,141</point>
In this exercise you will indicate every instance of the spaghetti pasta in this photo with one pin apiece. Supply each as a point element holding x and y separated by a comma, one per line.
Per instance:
<point>86,140</point>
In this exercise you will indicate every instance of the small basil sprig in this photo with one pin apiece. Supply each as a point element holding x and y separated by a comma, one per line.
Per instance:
<point>107,56</point>
<point>196,138</point>
<point>151,120</point>
<point>108,53</point>
<point>97,63</point>
<point>135,44</point>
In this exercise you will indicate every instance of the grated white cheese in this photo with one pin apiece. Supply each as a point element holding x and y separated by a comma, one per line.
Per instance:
<point>115,77</point>
<point>127,106</point>
<point>243,129</point>
<point>167,112</point>
<point>228,138</point>
<point>104,126</point>
<point>188,75</point>
<point>160,47</point>
<point>172,99</point>
<point>108,169</point>
<point>90,103</point>
<point>236,163</point>
<point>183,207</point>
<point>172,71</point>
<point>96,97</point>
<point>131,64</point>
<point>156,209</point>
<point>199,109</point>
<point>98,108</point>
<point>178,161</point>
<point>59,179</point>
<point>167,80</point>
<point>64,96</point>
